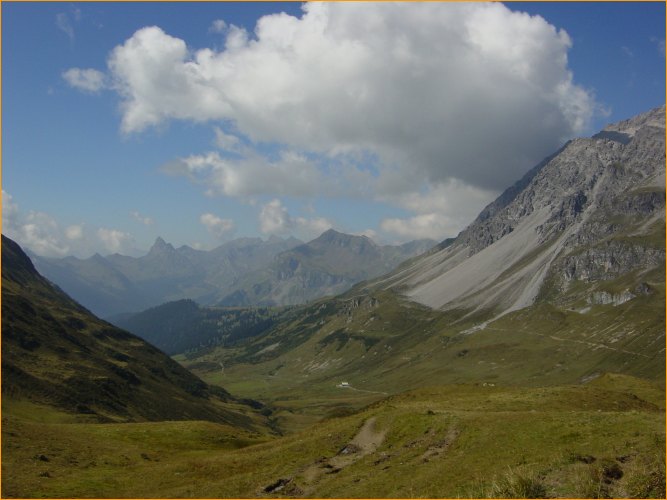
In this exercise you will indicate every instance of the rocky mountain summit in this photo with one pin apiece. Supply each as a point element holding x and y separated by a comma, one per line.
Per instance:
<point>590,214</point>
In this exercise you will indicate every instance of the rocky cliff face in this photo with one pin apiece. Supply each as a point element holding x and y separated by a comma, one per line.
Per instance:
<point>593,212</point>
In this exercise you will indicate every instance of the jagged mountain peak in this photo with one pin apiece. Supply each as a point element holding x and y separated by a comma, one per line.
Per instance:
<point>97,257</point>
<point>161,246</point>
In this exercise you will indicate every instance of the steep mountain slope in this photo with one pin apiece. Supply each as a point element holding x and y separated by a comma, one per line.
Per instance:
<point>55,353</point>
<point>593,212</point>
<point>118,284</point>
<point>558,281</point>
<point>327,265</point>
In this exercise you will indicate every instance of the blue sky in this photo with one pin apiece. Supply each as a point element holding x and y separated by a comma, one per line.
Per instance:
<point>122,122</point>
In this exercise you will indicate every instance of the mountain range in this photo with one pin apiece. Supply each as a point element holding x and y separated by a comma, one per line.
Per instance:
<point>246,271</point>
<point>118,283</point>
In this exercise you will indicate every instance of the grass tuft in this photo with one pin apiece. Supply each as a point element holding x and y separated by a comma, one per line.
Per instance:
<point>516,484</point>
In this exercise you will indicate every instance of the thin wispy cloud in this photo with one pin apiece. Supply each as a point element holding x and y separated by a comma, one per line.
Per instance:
<point>660,44</point>
<point>218,26</point>
<point>142,219</point>
<point>87,80</point>
<point>65,25</point>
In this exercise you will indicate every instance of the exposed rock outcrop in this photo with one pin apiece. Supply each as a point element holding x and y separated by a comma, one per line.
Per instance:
<point>594,211</point>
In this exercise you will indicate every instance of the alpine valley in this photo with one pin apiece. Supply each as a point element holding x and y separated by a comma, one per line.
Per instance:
<point>524,358</point>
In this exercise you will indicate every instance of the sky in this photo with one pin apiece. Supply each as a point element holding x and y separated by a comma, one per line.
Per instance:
<point>205,122</point>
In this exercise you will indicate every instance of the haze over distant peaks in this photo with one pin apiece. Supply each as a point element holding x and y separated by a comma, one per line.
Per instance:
<point>119,284</point>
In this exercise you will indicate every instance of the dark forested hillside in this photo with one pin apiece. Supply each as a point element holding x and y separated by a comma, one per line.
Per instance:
<point>182,325</point>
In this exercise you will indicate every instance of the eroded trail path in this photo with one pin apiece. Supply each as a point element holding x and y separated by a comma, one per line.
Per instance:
<point>365,442</point>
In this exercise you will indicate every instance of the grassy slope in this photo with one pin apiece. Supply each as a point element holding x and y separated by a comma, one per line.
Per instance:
<point>565,441</point>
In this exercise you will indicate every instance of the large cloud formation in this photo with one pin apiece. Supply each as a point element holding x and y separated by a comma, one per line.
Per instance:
<point>417,94</point>
<point>454,90</point>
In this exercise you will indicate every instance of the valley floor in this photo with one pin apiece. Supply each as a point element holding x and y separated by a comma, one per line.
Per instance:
<point>605,438</point>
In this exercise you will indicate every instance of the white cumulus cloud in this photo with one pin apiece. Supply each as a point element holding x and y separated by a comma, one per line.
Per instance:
<point>226,141</point>
<point>9,211</point>
<point>115,241</point>
<point>471,91</point>
<point>74,232</point>
<point>37,231</point>
<point>429,225</point>
<point>433,107</point>
<point>441,210</point>
<point>41,233</point>
<point>218,26</point>
<point>290,175</point>
<point>216,226</point>
<point>274,218</point>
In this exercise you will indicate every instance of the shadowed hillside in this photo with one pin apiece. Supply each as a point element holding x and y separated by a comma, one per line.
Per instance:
<point>54,352</point>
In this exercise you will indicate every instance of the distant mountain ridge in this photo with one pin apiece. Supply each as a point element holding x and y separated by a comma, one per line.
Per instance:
<point>245,271</point>
<point>117,283</point>
<point>327,265</point>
